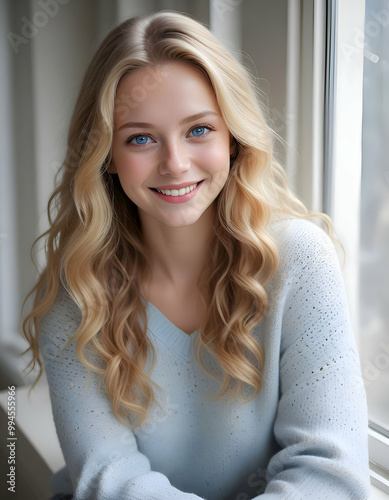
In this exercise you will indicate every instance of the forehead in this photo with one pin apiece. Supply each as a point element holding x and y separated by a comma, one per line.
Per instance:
<point>173,88</point>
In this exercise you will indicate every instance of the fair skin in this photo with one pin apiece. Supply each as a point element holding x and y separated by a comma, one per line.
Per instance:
<point>174,137</point>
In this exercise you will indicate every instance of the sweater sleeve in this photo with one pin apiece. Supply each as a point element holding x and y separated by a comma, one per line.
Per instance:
<point>101,454</point>
<point>321,423</point>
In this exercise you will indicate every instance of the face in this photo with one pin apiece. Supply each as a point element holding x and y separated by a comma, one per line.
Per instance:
<point>171,146</point>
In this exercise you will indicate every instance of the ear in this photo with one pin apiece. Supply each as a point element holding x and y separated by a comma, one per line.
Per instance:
<point>112,168</point>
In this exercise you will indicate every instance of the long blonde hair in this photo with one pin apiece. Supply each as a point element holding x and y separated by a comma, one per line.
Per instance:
<point>94,244</point>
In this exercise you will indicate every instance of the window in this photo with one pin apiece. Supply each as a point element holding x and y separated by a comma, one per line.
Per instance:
<point>374,230</point>
<point>374,217</point>
<point>358,199</point>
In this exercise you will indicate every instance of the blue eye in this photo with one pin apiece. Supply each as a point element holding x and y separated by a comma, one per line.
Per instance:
<point>199,131</point>
<point>139,139</point>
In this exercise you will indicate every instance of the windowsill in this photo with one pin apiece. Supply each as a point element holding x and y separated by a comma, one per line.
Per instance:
<point>377,494</point>
<point>39,453</point>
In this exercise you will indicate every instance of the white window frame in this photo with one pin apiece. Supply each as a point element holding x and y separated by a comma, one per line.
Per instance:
<point>345,162</point>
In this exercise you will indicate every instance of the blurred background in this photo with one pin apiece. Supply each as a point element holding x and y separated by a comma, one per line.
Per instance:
<point>322,71</point>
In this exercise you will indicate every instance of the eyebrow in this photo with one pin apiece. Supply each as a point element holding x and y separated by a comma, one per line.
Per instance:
<point>184,121</point>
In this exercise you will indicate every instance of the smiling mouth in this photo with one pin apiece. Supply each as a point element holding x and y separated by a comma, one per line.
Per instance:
<point>177,192</point>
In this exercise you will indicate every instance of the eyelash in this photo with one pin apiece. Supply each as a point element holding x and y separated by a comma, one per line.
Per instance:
<point>203,125</point>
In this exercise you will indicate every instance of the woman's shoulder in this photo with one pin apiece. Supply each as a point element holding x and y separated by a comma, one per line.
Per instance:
<point>300,241</point>
<point>291,231</point>
<point>295,228</point>
<point>63,318</point>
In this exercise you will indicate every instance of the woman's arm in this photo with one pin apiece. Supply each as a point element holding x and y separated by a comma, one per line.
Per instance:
<point>321,423</point>
<point>101,454</point>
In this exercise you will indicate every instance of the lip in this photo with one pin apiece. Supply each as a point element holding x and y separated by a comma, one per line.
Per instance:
<point>176,186</point>
<point>179,199</point>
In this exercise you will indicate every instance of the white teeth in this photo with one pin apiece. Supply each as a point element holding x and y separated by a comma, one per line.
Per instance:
<point>178,192</point>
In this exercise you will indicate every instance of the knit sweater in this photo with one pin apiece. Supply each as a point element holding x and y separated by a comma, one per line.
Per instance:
<point>304,436</point>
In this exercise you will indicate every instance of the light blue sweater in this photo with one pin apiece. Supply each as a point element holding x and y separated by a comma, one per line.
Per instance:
<point>303,437</point>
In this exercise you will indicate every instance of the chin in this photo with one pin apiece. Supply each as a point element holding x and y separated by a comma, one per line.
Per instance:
<point>182,223</point>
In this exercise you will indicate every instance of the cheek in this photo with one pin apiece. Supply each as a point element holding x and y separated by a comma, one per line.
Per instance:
<point>130,171</point>
<point>217,165</point>
<point>216,160</point>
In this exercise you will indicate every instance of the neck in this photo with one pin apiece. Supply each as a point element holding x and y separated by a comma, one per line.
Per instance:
<point>178,254</point>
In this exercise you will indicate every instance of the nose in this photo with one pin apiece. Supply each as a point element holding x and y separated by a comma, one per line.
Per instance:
<point>174,159</point>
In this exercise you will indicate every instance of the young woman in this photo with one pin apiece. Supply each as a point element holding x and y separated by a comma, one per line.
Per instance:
<point>192,318</point>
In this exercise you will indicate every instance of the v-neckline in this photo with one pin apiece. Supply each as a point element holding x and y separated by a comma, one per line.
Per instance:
<point>168,333</point>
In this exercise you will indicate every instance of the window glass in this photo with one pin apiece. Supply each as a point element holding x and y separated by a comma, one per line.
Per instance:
<point>374,216</point>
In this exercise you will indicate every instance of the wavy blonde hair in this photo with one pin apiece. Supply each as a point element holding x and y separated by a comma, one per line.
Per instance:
<point>95,247</point>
